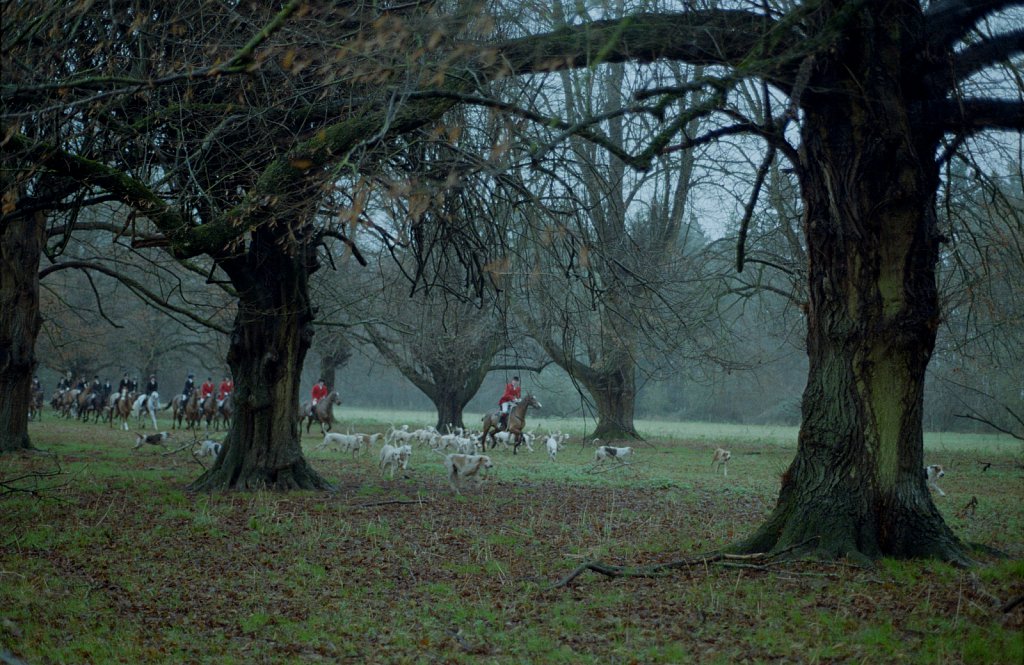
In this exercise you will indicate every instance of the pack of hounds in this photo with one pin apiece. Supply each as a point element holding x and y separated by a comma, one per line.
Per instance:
<point>467,463</point>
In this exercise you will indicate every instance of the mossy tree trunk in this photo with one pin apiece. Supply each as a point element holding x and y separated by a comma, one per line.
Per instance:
<point>272,333</point>
<point>856,487</point>
<point>21,244</point>
<point>614,392</point>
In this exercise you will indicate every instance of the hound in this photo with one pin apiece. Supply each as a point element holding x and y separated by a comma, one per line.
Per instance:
<point>209,448</point>
<point>932,472</point>
<point>342,442</point>
<point>461,467</point>
<point>394,457</point>
<point>721,458</point>
<point>612,452</point>
<point>152,439</point>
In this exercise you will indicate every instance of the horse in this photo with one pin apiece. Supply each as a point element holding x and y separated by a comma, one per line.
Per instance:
<point>208,411</point>
<point>122,408</point>
<point>189,411</point>
<point>86,402</point>
<point>323,412</point>
<point>35,405</point>
<point>69,402</point>
<point>180,411</point>
<point>516,422</point>
<point>226,410</point>
<point>147,404</point>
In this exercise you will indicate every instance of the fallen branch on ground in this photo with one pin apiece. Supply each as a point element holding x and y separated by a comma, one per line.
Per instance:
<point>28,483</point>
<point>387,503</point>
<point>609,467</point>
<point>664,569</point>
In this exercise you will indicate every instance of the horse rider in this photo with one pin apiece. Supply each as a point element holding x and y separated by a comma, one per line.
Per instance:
<point>105,391</point>
<point>508,400</point>
<point>186,392</point>
<point>206,390</point>
<point>226,386</point>
<point>151,385</point>
<point>124,387</point>
<point>319,392</point>
<point>36,386</point>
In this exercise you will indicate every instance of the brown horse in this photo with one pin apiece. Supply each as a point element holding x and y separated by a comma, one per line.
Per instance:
<point>322,413</point>
<point>122,409</point>
<point>226,410</point>
<point>208,411</point>
<point>516,422</point>
<point>189,411</point>
<point>35,405</point>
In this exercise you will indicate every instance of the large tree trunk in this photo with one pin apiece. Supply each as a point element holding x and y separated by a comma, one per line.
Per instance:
<point>449,404</point>
<point>271,335</point>
<point>613,390</point>
<point>21,244</point>
<point>857,486</point>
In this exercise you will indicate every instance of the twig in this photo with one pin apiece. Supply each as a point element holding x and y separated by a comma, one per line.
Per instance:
<point>968,508</point>
<point>610,467</point>
<point>980,589</point>
<point>1010,606</point>
<point>387,503</point>
<point>10,486</point>
<point>661,569</point>
<point>179,449</point>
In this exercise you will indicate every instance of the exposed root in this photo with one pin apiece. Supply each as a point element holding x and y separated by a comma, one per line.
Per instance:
<point>298,476</point>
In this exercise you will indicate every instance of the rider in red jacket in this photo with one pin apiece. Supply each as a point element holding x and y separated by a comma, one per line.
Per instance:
<point>206,389</point>
<point>226,386</point>
<point>508,399</point>
<point>319,391</point>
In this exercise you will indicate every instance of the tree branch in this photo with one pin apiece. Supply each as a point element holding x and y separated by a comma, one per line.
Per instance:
<point>136,287</point>
<point>987,52</point>
<point>950,20</point>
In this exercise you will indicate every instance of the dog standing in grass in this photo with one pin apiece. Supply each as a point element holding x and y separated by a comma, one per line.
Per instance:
<point>721,458</point>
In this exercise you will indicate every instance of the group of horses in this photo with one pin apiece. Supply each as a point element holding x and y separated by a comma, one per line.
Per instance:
<point>195,410</point>
<point>323,413</point>
<point>95,403</point>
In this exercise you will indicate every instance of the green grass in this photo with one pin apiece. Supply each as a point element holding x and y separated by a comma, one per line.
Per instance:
<point>118,563</point>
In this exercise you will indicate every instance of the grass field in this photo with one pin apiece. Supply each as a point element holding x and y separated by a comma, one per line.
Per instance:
<point>115,562</point>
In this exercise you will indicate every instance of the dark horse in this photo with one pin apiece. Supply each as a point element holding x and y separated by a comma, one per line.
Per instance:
<point>226,410</point>
<point>208,411</point>
<point>322,413</point>
<point>516,422</point>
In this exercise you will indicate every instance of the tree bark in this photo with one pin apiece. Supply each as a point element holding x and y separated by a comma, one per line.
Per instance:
<point>335,354</point>
<point>21,244</point>
<point>272,333</point>
<point>449,404</point>
<point>857,486</point>
<point>614,393</point>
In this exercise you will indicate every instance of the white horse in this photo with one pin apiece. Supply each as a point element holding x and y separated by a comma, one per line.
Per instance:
<point>147,403</point>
